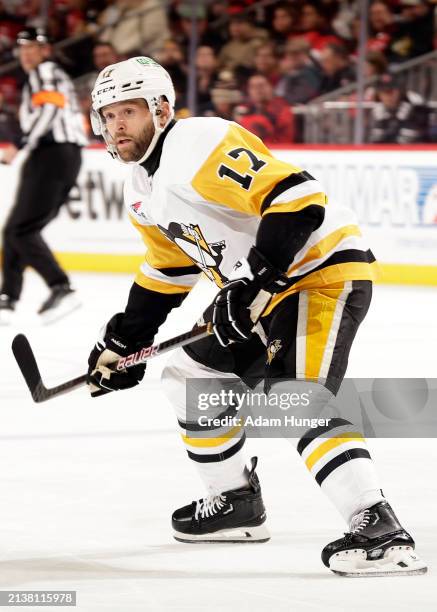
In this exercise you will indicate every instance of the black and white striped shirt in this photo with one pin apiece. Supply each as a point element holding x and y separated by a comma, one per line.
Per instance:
<point>49,110</point>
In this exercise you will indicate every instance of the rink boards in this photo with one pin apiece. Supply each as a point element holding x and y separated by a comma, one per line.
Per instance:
<point>393,191</point>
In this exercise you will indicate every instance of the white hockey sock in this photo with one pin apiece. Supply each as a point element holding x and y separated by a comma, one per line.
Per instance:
<point>338,459</point>
<point>352,487</point>
<point>224,475</point>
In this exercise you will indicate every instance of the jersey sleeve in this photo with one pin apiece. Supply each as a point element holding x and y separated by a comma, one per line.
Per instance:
<point>241,173</point>
<point>166,269</point>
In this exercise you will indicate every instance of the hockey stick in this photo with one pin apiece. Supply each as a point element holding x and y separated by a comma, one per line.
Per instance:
<point>26,361</point>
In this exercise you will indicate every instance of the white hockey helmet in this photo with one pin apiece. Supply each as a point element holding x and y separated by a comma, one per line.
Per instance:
<point>137,77</point>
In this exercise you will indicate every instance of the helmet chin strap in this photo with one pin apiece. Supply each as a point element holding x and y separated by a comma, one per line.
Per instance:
<point>156,135</point>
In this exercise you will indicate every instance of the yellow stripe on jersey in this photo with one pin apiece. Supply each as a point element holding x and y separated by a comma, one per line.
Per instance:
<point>321,309</point>
<point>155,285</point>
<point>298,204</point>
<point>327,244</point>
<point>330,444</point>
<point>211,442</point>
<point>331,275</point>
<point>355,270</point>
<point>241,172</point>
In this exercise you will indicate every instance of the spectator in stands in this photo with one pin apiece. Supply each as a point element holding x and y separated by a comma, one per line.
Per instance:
<point>301,78</point>
<point>381,26</point>
<point>67,18</point>
<point>172,57</point>
<point>245,39</point>
<point>266,115</point>
<point>342,21</point>
<point>266,63</point>
<point>415,31</point>
<point>9,89</point>
<point>10,25</point>
<point>73,20</point>
<point>284,24</point>
<point>104,54</point>
<point>225,96</point>
<point>217,16</point>
<point>218,10</point>
<point>135,26</point>
<point>9,127</point>
<point>206,67</point>
<point>205,36</point>
<point>315,25</point>
<point>336,67</point>
<point>375,65</point>
<point>400,116</point>
<point>14,16</point>
<point>30,11</point>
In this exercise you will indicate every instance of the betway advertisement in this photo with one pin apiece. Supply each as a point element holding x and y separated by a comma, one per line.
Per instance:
<point>94,219</point>
<point>393,193</point>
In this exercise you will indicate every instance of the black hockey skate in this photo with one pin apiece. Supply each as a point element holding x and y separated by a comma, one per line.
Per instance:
<point>61,301</point>
<point>233,516</point>
<point>376,545</point>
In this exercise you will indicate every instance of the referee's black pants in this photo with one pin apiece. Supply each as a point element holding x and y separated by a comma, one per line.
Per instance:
<point>46,178</point>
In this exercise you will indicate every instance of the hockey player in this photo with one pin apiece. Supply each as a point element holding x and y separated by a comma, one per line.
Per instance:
<point>295,282</point>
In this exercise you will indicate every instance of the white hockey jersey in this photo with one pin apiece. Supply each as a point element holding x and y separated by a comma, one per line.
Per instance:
<point>201,209</point>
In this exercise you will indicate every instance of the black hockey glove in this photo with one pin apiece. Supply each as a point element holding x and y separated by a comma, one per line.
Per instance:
<point>238,306</point>
<point>102,376</point>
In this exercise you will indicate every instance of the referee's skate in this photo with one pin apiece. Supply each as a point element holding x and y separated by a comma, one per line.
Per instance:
<point>61,302</point>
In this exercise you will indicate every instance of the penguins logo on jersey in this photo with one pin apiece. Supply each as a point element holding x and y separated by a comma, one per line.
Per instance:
<point>273,349</point>
<point>207,255</point>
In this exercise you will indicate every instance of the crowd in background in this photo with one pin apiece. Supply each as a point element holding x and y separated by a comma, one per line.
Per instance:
<point>256,62</point>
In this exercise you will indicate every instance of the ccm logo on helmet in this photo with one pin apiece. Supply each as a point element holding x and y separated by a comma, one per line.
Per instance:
<point>104,90</point>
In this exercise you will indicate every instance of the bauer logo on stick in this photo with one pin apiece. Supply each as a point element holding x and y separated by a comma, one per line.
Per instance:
<point>136,358</point>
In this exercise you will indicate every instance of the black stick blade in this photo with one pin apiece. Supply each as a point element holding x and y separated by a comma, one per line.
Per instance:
<point>27,363</point>
<point>29,368</point>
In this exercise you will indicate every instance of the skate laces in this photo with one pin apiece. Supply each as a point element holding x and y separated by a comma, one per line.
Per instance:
<point>209,506</point>
<point>360,521</point>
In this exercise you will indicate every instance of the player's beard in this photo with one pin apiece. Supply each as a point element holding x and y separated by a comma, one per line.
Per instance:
<point>137,146</point>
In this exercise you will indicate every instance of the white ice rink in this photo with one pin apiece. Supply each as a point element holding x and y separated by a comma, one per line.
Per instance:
<point>87,487</point>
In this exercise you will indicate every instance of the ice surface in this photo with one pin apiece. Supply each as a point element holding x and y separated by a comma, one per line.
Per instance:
<point>88,486</point>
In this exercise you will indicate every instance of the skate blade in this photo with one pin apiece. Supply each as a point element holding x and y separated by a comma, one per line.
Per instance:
<point>68,305</point>
<point>397,561</point>
<point>237,535</point>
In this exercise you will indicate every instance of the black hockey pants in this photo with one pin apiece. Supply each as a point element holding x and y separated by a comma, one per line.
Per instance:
<point>46,179</point>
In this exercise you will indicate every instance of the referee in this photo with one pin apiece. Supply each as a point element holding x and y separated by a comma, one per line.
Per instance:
<point>53,131</point>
